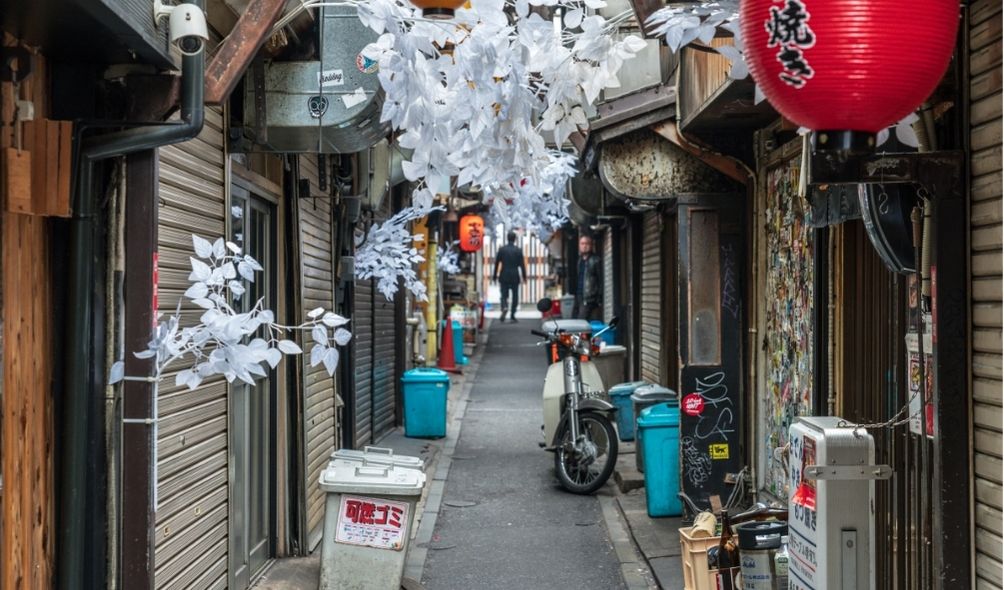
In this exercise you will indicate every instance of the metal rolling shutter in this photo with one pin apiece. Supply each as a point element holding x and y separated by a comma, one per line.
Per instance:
<point>191,535</point>
<point>985,235</point>
<point>320,394</point>
<point>384,341</point>
<point>608,274</point>
<point>362,323</point>
<point>651,298</point>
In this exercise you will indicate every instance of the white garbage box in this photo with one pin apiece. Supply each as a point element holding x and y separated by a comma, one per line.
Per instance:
<point>367,522</point>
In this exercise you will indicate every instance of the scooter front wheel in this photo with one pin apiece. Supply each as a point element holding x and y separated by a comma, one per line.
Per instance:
<point>584,465</point>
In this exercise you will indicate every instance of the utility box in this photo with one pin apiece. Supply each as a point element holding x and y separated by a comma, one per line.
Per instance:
<point>367,524</point>
<point>831,505</point>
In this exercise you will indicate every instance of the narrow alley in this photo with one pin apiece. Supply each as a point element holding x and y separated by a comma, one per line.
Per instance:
<point>504,522</point>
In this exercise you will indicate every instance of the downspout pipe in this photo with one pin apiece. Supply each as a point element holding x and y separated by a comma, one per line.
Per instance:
<point>83,373</point>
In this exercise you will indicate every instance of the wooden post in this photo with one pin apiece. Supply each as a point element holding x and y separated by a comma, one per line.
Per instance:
<point>27,508</point>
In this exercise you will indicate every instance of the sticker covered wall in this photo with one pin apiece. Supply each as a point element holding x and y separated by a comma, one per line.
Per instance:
<point>786,320</point>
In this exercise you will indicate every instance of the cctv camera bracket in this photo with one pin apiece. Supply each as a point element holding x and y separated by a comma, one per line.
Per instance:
<point>160,10</point>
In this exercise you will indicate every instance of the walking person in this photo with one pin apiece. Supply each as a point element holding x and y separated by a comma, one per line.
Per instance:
<point>589,290</point>
<point>510,258</point>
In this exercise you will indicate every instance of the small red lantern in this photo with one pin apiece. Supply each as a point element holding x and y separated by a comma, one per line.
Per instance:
<point>472,233</point>
<point>848,65</point>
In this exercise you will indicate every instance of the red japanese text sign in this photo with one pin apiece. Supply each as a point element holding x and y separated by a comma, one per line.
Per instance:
<point>372,522</point>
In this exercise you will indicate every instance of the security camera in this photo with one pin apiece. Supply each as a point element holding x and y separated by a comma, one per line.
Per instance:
<point>187,24</point>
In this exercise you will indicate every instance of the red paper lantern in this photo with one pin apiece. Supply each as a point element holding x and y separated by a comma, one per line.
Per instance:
<point>848,65</point>
<point>472,233</point>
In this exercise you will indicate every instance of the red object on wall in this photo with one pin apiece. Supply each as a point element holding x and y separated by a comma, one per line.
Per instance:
<point>472,233</point>
<point>848,65</point>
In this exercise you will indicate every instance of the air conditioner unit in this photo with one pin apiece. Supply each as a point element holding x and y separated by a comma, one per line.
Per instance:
<point>332,105</point>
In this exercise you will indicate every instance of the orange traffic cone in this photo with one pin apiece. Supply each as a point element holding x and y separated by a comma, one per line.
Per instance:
<point>447,360</point>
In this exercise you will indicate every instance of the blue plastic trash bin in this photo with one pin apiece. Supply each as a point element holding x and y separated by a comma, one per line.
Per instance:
<point>620,397</point>
<point>608,336</point>
<point>458,344</point>
<point>644,397</point>
<point>425,392</point>
<point>659,425</point>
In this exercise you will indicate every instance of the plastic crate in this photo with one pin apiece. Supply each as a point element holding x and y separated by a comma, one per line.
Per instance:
<point>694,553</point>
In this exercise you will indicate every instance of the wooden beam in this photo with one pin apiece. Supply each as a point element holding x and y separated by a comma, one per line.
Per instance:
<point>724,164</point>
<point>27,510</point>
<point>235,54</point>
<point>644,9</point>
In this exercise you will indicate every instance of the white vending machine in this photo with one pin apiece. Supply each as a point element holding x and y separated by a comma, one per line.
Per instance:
<point>831,505</point>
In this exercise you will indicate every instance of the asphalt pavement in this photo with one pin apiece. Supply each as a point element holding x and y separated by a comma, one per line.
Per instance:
<point>504,522</point>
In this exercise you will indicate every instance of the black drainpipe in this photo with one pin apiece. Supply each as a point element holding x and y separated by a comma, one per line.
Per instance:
<point>83,368</point>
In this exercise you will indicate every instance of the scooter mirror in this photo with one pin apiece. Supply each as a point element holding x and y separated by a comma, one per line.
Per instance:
<point>544,305</point>
<point>613,322</point>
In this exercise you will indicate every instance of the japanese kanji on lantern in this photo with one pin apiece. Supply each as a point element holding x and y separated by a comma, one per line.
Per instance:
<point>851,67</point>
<point>472,233</point>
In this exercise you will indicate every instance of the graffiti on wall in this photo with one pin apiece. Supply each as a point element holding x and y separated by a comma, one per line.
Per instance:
<point>787,338</point>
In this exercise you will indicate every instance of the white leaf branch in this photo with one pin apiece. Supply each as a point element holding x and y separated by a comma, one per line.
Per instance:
<point>237,345</point>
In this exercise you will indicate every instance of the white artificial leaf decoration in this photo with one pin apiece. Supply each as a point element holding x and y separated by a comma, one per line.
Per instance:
<point>200,270</point>
<point>236,288</point>
<point>233,247</point>
<point>117,372</point>
<point>573,18</point>
<point>331,360</point>
<point>246,271</point>
<point>219,248</point>
<point>342,336</point>
<point>288,347</point>
<point>333,320</point>
<point>273,356</point>
<point>315,313</point>
<point>203,249</point>
<point>320,335</point>
<point>317,354</point>
<point>198,290</point>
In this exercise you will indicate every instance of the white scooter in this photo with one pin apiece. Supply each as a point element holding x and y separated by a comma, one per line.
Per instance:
<point>578,425</point>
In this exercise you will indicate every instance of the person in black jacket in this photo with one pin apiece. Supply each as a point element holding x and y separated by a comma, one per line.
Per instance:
<point>510,258</point>
<point>589,290</point>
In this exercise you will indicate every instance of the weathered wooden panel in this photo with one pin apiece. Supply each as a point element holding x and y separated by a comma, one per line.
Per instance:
<point>27,513</point>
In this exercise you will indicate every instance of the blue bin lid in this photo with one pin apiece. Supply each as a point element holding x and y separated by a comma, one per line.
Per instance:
<point>664,414</point>
<point>425,375</point>
<point>625,389</point>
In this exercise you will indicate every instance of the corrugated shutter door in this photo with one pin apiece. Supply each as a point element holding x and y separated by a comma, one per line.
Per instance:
<point>191,535</point>
<point>384,339</point>
<point>320,394</point>
<point>985,220</point>
<point>608,274</point>
<point>362,322</point>
<point>651,298</point>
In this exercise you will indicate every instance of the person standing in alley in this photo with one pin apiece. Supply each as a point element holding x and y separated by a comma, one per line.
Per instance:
<point>589,290</point>
<point>510,258</point>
